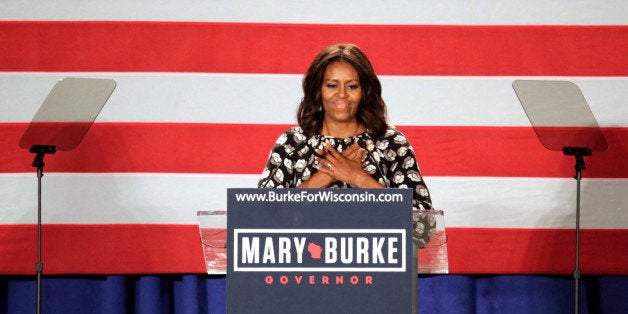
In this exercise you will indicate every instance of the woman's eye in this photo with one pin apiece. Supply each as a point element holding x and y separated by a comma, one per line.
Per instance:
<point>332,86</point>
<point>353,87</point>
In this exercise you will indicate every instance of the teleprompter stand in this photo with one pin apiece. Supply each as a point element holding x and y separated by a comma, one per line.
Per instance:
<point>40,151</point>
<point>61,122</point>
<point>578,153</point>
<point>563,121</point>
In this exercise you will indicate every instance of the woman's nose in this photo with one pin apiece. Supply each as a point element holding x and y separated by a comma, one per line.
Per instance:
<point>342,92</point>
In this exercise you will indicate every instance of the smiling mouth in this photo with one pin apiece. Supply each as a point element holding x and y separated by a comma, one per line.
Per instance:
<point>341,105</point>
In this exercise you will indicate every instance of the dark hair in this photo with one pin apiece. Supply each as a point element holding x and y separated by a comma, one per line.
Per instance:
<point>372,109</point>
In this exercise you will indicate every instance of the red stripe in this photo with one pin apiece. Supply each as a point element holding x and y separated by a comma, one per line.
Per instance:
<point>125,249</point>
<point>289,48</point>
<point>544,251</point>
<point>244,148</point>
<point>102,249</point>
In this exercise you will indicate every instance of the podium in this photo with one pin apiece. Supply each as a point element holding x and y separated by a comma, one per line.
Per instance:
<point>320,251</point>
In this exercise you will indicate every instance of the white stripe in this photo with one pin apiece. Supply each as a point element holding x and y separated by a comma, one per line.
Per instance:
<point>273,99</point>
<point>475,12</point>
<point>530,202</point>
<point>175,198</point>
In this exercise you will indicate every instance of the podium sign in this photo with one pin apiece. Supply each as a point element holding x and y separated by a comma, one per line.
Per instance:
<point>320,251</point>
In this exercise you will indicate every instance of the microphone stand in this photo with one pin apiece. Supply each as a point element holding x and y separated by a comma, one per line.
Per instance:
<point>40,151</point>
<point>579,153</point>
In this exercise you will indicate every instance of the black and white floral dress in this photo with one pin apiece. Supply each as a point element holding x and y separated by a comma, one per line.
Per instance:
<point>390,160</point>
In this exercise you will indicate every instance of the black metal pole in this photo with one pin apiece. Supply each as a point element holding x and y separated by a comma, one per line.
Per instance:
<point>579,153</point>
<point>39,267</point>
<point>576,272</point>
<point>38,162</point>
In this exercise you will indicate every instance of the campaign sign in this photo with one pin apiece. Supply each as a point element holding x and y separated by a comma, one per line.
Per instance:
<point>319,251</point>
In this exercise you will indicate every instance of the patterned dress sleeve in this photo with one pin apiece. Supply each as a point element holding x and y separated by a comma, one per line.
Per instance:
<point>404,170</point>
<point>404,173</point>
<point>280,167</point>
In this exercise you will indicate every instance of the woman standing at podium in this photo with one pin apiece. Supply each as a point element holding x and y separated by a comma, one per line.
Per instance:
<point>343,139</point>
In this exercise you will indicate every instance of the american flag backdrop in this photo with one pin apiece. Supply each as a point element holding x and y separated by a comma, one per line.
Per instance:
<point>204,88</point>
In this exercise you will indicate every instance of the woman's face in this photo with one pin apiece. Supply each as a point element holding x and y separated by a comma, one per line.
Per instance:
<point>341,92</point>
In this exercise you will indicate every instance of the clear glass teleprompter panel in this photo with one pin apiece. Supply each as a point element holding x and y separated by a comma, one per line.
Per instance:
<point>559,115</point>
<point>67,113</point>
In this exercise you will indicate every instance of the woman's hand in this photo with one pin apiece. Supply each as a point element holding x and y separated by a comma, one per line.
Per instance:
<point>321,179</point>
<point>346,166</point>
